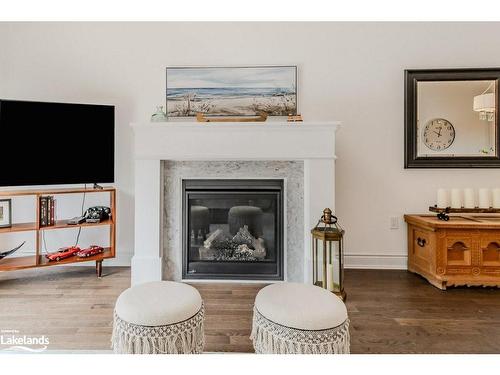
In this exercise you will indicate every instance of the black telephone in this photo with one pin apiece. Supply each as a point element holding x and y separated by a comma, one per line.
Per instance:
<point>92,215</point>
<point>97,214</point>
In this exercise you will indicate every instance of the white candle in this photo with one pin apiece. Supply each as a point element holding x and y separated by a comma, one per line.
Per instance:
<point>496,198</point>
<point>442,198</point>
<point>456,198</point>
<point>329,277</point>
<point>469,199</point>
<point>484,198</point>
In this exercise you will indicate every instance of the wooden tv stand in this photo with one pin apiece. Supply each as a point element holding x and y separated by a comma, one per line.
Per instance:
<point>462,251</point>
<point>12,262</point>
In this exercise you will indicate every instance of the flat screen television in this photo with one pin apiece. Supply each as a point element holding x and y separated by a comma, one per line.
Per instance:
<point>56,143</point>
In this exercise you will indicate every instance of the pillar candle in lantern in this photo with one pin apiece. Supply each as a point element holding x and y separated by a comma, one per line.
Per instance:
<point>329,277</point>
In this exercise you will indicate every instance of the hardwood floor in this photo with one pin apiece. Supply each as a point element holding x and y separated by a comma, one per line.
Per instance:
<point>229,311</point>
<point>390,311</point>
<point>69,305</point>
<point>400,312</point>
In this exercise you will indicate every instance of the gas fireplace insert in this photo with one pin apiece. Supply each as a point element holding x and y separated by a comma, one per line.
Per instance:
<point>232,229</point>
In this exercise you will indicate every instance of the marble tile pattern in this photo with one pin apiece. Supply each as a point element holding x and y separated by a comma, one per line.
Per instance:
<point>175,171</point>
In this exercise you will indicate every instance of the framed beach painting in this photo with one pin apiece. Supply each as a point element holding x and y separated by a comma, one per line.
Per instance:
<point>231,91</point>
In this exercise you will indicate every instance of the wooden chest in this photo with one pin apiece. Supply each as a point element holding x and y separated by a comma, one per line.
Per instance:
<point>462,251</point>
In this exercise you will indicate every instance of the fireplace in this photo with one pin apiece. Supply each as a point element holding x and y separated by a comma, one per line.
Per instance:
<point>302,155</point>
<point>232,229</point>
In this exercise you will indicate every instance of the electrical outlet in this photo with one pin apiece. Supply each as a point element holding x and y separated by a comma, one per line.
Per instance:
<point>394,222</point>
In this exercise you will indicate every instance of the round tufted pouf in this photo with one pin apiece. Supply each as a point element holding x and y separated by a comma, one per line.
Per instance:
<point>158,317</point>
<point>294,318</point>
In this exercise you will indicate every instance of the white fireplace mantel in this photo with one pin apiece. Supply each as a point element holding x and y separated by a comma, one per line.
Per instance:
<point>235,140</point>
<point>311,142</point>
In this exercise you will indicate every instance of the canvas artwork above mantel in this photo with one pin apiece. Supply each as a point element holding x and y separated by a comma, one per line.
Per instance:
<point>231,91</point>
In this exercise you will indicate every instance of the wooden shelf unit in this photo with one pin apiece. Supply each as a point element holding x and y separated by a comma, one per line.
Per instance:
<point>64,224</point>
<point>11,263</point>
<point>19,227</point>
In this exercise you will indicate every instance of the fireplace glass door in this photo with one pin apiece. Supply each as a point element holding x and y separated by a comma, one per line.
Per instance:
<point>233,229</point>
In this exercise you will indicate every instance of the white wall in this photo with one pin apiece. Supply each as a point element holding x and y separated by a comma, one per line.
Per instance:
<point>349,72</point>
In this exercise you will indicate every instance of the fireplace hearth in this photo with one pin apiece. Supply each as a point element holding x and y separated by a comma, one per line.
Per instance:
<point>232,229</point>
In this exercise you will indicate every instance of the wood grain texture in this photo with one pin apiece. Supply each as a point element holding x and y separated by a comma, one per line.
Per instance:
<point>19,227</point>
<point>456,222</point>
<point>200,117</point>
<point>464,210</point>
<point>39,192</point>
<point>390,311</point>
<point>462,251</point>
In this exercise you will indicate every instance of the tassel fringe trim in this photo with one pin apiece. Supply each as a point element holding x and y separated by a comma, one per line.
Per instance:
<point>186,337</point>
<point>272,338</point>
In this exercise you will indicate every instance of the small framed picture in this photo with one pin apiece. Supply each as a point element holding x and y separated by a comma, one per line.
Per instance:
<point>5,213</point>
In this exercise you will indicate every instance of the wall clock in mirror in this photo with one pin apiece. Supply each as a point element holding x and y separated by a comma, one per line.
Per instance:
<point>438,134</point>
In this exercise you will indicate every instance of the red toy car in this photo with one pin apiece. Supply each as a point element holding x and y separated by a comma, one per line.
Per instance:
<point>63,253</point>
<point>91,250</point>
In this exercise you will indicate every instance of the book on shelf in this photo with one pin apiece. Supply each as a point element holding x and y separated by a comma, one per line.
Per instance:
<point>52,203</point>
<point>47,211</point>
<point>43,208</point>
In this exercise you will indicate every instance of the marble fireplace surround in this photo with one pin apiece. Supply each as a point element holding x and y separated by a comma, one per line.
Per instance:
<point>303,154</point>
<point>292,172</point>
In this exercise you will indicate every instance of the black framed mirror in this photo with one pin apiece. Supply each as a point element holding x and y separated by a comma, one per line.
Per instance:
<point>451,118</point>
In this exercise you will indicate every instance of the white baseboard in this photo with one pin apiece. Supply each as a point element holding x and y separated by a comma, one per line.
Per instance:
<point>376,261</point>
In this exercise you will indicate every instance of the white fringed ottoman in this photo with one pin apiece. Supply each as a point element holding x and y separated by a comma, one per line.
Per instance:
<point>293,318</point>
<point>159,317</point>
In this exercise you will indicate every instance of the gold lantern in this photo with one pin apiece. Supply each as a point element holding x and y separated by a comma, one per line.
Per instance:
<point>328,254</point>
